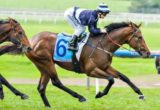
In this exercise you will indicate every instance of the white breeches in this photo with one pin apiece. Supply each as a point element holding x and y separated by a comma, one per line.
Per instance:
<point>79,29</point>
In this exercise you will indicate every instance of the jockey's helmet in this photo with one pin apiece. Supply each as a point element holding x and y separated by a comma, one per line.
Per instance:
<point>103,8</point>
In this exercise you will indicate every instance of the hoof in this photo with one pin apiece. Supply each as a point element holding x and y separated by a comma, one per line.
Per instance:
<point>99,95</point>
<point>82,99</point>
<point>24,97</point>
<point>141,97</point>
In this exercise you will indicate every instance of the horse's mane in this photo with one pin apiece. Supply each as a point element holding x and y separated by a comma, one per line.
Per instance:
<point>114,26</point>
<point>3,21</point>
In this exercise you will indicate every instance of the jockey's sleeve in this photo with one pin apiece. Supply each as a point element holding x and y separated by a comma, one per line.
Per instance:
<point>92,26</point>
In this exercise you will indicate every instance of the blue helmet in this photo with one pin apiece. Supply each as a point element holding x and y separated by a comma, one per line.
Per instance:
<point>103,8</point>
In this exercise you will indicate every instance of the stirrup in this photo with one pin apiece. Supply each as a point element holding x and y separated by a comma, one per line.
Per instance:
<point>72,48</point>
<point>82,36</point>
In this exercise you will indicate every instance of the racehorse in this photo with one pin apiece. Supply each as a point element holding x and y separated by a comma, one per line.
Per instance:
<point>95,61</point>
<point>10,30</point>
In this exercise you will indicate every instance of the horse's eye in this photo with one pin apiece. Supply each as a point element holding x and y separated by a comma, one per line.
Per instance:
<point>20,33</point>
<point>140,38</point>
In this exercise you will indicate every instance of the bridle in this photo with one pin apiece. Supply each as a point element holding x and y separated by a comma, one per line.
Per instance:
<point>16,35</point>
<point>134,35</point>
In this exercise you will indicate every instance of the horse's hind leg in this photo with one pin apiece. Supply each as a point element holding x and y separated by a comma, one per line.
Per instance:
<point>1,90</point>
<point>15,91</point>
<point>42,88</point>
<point>56,82</point>
<point>48,71</point>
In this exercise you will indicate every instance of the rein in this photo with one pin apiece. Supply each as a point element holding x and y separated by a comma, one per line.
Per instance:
<point>96,47</point>
<point>112,41</point>
<point>119,45</point>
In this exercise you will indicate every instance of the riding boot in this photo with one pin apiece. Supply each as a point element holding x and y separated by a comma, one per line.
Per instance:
<point>73,43</point>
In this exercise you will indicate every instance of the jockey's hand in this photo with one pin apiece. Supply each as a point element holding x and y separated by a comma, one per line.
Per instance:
<point>103,30</point>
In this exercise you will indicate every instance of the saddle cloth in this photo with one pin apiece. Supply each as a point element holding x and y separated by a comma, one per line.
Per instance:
<point>62,53</point>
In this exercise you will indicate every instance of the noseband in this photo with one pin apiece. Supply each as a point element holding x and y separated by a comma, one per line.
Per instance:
<point>137,38</point>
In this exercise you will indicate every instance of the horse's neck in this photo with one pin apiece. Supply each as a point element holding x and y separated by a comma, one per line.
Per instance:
<point>116,39</point>
<point>119,38</point>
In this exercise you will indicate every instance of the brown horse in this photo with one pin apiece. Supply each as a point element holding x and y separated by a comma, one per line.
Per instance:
<point>10,30</point>
<point>97,65</point>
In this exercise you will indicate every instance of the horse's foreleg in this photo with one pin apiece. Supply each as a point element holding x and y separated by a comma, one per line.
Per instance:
<point>126,79</point>
<point>107,88</point>
<point>15,91</point>
<point>1,90</point>
<point>98,73</point>
<point>42,88</point>
<point>56,82</point>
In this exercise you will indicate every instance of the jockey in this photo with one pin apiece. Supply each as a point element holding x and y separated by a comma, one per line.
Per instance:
<point>80,18</point>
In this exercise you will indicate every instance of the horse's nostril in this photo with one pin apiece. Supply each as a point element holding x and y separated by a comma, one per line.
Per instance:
<point>148,53</point>
<point>29,48</point>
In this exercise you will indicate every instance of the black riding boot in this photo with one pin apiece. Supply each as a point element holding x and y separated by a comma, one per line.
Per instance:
<point>73,43</point>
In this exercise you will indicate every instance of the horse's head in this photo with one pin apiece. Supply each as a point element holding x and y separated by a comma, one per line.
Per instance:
<point>136,40</point>
<point>18,36</point>
<point>12,31</point>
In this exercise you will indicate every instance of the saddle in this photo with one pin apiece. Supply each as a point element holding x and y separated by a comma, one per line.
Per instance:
<point>62,54</point>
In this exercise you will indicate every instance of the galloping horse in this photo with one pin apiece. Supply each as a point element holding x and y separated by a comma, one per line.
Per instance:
<point>97,65</point>
<point>10,30</point>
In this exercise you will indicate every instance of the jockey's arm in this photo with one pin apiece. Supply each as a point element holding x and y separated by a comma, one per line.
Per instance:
<point>92,27</point>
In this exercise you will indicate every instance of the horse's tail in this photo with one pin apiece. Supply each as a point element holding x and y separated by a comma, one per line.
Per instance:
<point>13,50</point>
<point>10,49</point>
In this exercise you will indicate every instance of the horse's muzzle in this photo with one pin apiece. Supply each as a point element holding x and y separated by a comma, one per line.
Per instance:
<point>146,54</point>
<point>29,49</point>
<point>26,49</point>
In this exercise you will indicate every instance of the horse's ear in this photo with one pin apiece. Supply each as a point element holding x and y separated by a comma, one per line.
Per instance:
<point>130,24</point>
<point>10,19</point>
<point>139,25</point>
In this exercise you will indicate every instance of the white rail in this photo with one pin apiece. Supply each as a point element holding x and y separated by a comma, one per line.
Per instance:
<point>41,16</point>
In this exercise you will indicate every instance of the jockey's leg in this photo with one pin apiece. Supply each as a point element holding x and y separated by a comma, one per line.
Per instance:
<point>74,41</point>
<point>79,29</point>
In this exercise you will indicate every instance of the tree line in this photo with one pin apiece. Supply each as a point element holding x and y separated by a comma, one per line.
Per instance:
<point>145,6</point>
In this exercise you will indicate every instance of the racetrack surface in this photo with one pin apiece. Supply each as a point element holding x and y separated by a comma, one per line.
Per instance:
<point>152,80</point>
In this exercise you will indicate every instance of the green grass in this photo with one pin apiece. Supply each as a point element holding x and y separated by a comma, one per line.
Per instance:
<point>63,4</point>
<point>119,98</point>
